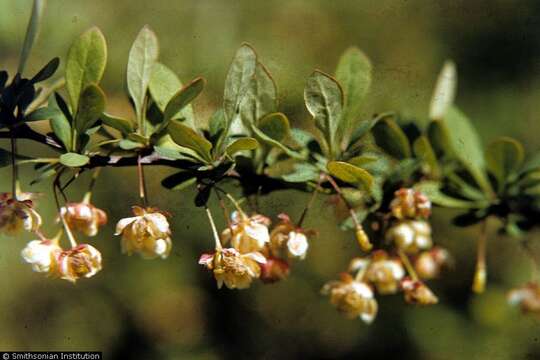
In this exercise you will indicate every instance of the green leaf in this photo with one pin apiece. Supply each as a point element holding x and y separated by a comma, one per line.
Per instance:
<point>5,158</point>
<point>60,124</point>
<point>91,106</point>
<point>389,137</point>
<point>74,160</point>
<point>445,91</point>
<point>187,137</point>
<point>324,100</point>
<point>32,31</point>
<point>183,97</point>
<point>504,157</point>
<point>532,163</point>
<point>238,79</point>
<point>42,113</point>
<point>128,144</point>
<point>163,85</point>
<point>242,144</point>
<point>47,71</point>
<point>275,126</point>
<point>123,125</point>
<point>432,190</point>
<point>302,172</point>
<point>85,64</point>
<point>354,73</point>
<point>424,151</point>
<point>259,98</point>
<point>350,174</point>
<point>142,58</point>
<point>466,146</point>
<point>179,181</point>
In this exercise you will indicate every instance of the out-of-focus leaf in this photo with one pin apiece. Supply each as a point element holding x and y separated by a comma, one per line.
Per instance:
<point>5,158</point>
<point>433,192</point>
<point>362,160</point>
<point>183,97</point>
<point>504,156</point>
<point>242,144</point>
<point>445,91</point>
<point>275,125</point>
<point>259,98</point>
<point>123,125</point>
<point>127,144</point>
<point>85,64</point>
<point>217,124</point>
<point>389,137</point>
<point>533,163</point>
<point>324,100</point>
<point>74,159</point>
<point>32,31</point>
<point>42,113</point>
<point>179,181</point>
<point>238,79</point>
<point>142,58</point>
<point>354,74</point>
<point>301,173</point>
<point>466,146</point>
<point>187,137</point>
<point>350,173</point>
<point>424,151</point>
<point>91,106</point>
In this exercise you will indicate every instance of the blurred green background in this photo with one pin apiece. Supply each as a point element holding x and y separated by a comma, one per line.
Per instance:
<point>170,309</point>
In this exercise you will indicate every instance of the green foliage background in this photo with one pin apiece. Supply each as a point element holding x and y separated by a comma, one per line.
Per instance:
<point>170,309</point>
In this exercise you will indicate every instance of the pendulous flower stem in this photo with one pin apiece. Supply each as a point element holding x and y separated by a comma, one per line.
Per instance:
<point>142,182</point>
<point>214,229</point>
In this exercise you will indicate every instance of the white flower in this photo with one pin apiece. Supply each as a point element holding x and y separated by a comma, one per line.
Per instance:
<point>81,261</point>
<point>411,235</point>
<point>247,234</point>
<point>297,244</point>
<point>41,255</point>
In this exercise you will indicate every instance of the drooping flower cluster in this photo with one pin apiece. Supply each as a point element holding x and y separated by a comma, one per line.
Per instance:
<point>385,272</point>
<point>254,251</point>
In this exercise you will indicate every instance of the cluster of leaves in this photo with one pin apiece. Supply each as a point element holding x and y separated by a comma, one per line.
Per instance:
<point>250,142</point>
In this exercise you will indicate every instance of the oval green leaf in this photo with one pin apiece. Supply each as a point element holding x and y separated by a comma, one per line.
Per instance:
<point>350,174</point>
<point>74,159</point>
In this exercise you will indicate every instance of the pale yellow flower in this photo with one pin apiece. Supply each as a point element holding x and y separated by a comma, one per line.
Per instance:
<point>352,298</point>
<point>247,234</point>
<point>289,240</point>
<point>385,273</point>
<point>410,204</point>
<point>18,214</point>
<point>81,261</point>
<point>84,217</point>
<point>147,233</point>
<point>230,267</point>
<point>42,255</point>
<point>428,264</point>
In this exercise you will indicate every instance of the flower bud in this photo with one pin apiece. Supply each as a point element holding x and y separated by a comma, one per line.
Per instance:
<point>352,298</point>
<point>410,204</point>
<point>527,297</point>
<point>410,236</point>
<point>416,292</point>
<point>232,268</point>
<point>297,244</point>
<point>385,273</point>
<point>479,281</point>
<point>247,234</point>
<point>363,239</point>
<point>428,264</point>
<point>18,214</point>
<point>84,217</point>
<point>42,255</point>
<point>147,233</point>
<point>288,240</point>
<point>274,270</point>
<point>81,261</point>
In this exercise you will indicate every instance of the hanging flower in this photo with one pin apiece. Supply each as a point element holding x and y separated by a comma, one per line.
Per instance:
<point>273,270</point>
<point>287,239</point>
<point>42,255</point>
<point>84,217</point>
<point>385,273</point>
<point>428,264</point>
<point>527,297</point>
<point>352,298</point>
<point>147,233</point>
<point>18,214</point>
<point>411,236</point>
<point>416,292</point>
<point>232,268</point>
<point>247,234</point>
<point>410,204</point>
<point>81,261</point>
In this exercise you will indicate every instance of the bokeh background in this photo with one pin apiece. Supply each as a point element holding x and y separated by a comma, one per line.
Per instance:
<point>171,309</point>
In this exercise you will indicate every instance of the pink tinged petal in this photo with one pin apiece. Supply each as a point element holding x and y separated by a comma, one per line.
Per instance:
<point>256,256</point>
<point>120,226</point>
<point>258,232</point>
<point>206,259</point>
